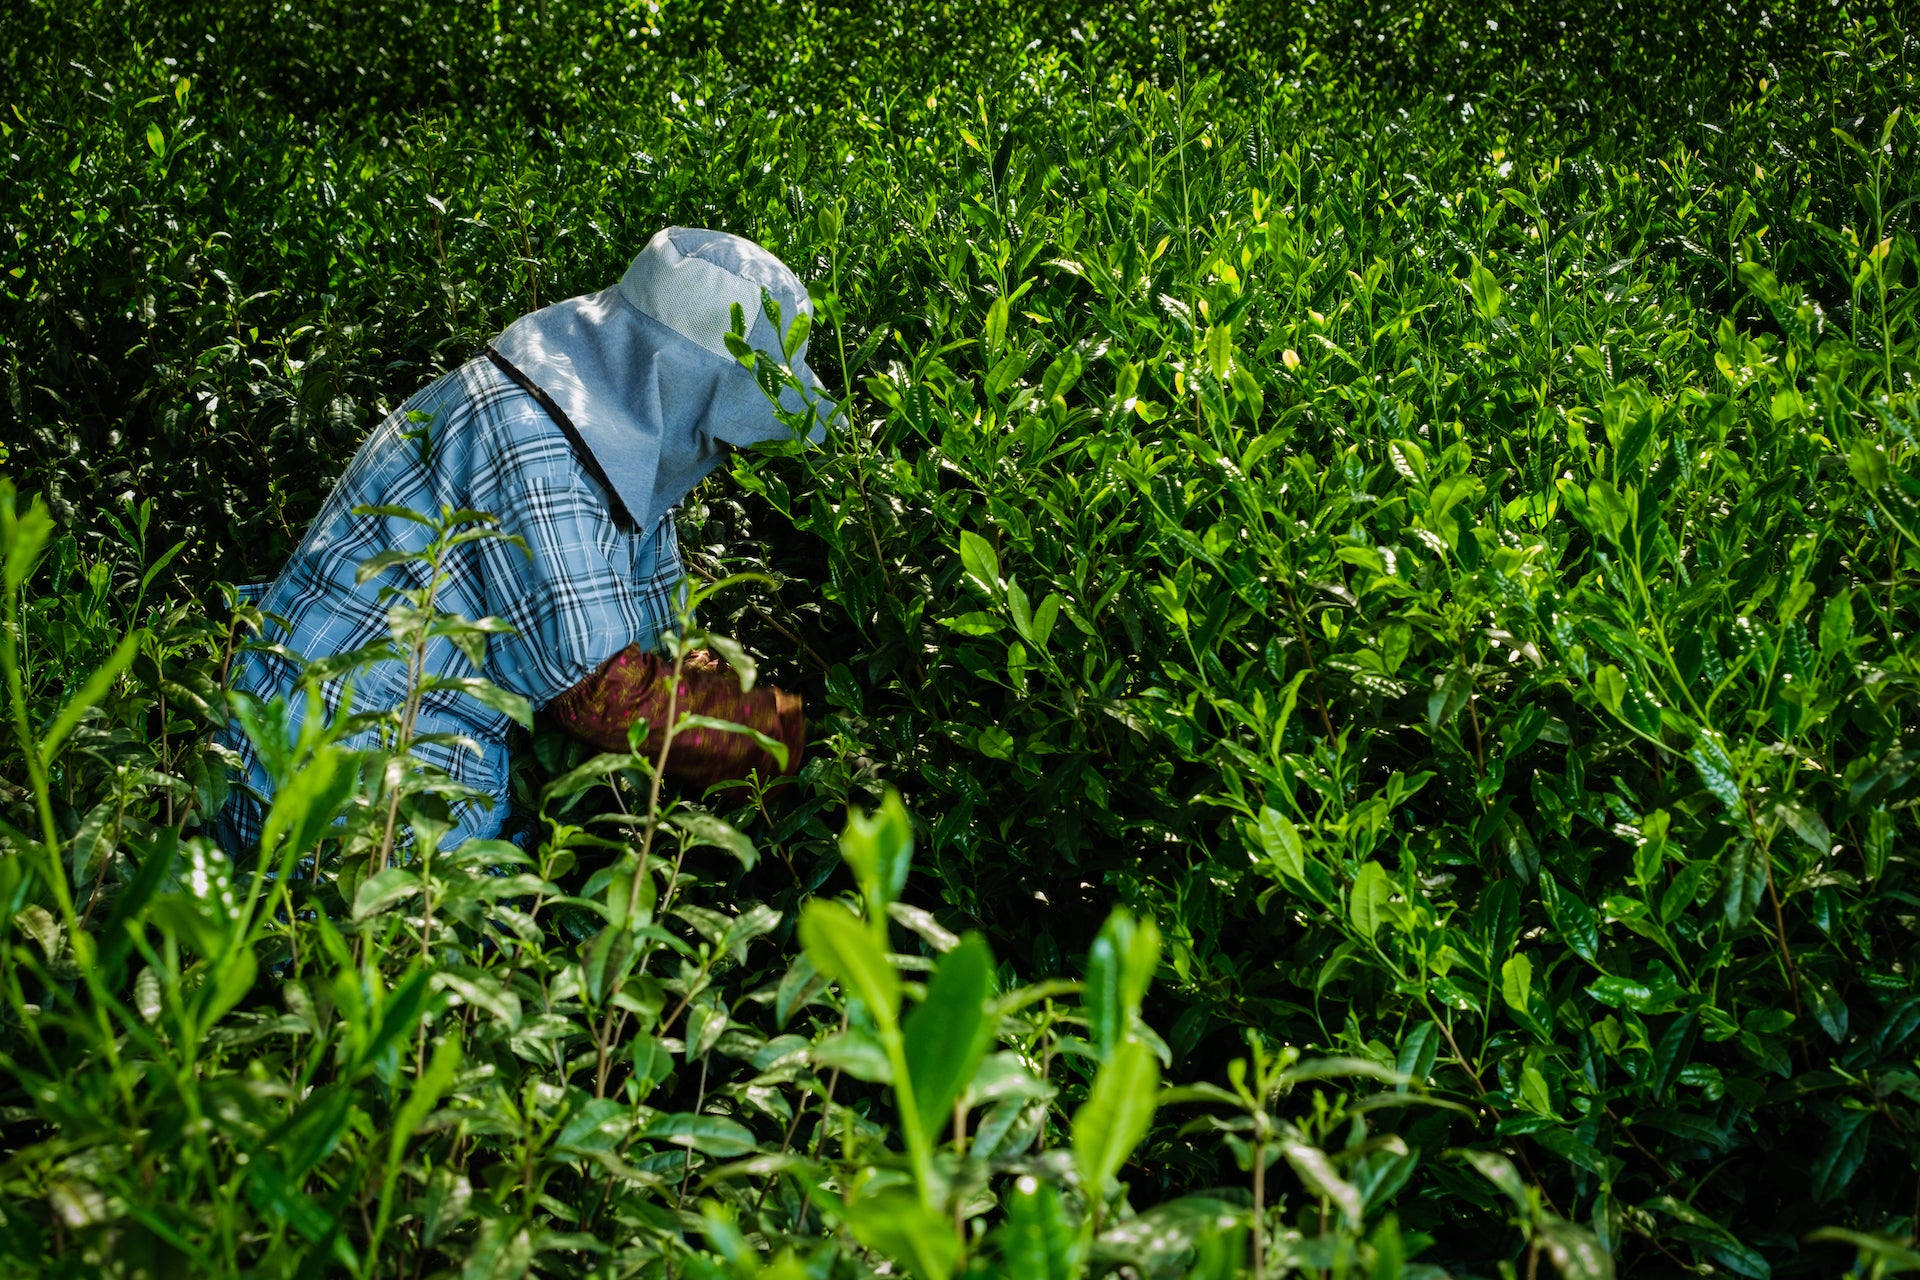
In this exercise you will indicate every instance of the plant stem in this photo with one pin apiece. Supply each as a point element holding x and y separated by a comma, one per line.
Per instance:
<point>410,709</point>
<point>1260,1208</point>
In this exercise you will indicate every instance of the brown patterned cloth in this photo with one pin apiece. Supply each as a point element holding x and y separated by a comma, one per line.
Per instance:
<point>633,685</point>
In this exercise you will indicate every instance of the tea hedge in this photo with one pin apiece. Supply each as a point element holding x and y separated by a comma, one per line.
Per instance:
<point>1390,533</point>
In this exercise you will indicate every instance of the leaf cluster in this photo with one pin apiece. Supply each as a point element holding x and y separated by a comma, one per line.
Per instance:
<point>1420,506</point>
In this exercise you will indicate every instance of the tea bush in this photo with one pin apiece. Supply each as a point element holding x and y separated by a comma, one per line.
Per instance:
<point>1394,525</point>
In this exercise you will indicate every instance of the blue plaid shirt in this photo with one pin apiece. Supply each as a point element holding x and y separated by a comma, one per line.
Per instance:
<point>588,590</point>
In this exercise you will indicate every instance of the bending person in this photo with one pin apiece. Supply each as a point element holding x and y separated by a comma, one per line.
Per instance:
<point>581,427</point>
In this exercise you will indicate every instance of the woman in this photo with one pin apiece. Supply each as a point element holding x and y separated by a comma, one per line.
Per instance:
<point>580,427</point>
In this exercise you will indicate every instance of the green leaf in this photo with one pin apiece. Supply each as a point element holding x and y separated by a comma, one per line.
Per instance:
<point>896,1225</point>
<point>155,569</point>
<point>1575,1251</point>
<point>996,329</point>
<point>1116,1115</point>
<point>767,743</point>
<point>1627,453</point>
<point>948,1033</point>
<point>1322,1180</point>
<point>428,1088</point>
<point>1836,625</point>
<point>1120,965</point>
<point>1894,1257</point>
<point>1280,840</point>
<point>309,801</point>
<point>1451,689</point>
<point>796,335</point>
<point>1656,996</point>
<point>1409,459</point>
<point>601,1124</point>
<point>1843,1150</point>
<point>503,1250</point>
<point>1004,1075</point>
<point>1485,290</point>
<point>1572,917</point>
<point>1396,641</point>
<point>856,1051</point>
<point>1517,843</point>
<point>275,1196</point>
<point>705,829</point>
<point>710,1135</point>
<point>735,655</point>
<point>375,565</point>
<point>974,624</point>
<point>922,922</point>
<point>1805,823</point>
<point>1670,1055</point>
<point>801,983</point>
<point>1610,687</point>
<point>1516,985</point>
<point>232,979</point>
<point>1746,880</point>
<point>1419,1049</point>
<point>878,848</point>
<point>1044,618</point>
<point>994,742</point>
<point>607,961</point>
<point>1367,905</point>
<point>483,990</point>
<point>1498,1170</point>
<point>1038,1241</point>
<point>380,891</point>
<point>1020,608</point>
<point>399,1015</point>
<point>90,693</point>
<point>1464,491</point>
<point>1201,1231</point>
<point>1609,508</point>
<point>1060,375</point>
<point>1829,1010</point>
<point>981,562</point>
<point>1219,345</point>
<point>1867,461</point>
<point>26,538</point>
<point>1716,770</point>
<point>1681,1211</point>
<point>843,948</point>
<point>448,1196</point>
<point>1497,918</point>
<point>1337,1068</point>
<point>156,140</point>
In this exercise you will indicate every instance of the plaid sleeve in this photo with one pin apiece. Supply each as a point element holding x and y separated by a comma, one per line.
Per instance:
<point>584,589</point>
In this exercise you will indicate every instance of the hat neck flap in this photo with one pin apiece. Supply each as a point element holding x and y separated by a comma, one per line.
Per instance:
<point>654,409</point>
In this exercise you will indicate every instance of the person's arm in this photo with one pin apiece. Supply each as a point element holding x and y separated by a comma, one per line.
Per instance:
<point>633,686</point>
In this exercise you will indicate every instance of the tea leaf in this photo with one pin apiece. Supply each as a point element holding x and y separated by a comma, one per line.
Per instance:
<point>1368,900</point>
<point>1280,840</point>
<point>1318,1175</point>
<point>1116,1115</point>
<point>981,561</point>
<point>948,1033</point>
<point>1039,1239</point>
<point>1487,295</point>
<point>710,1135</point>
<point>843,948</point>
<point>899,1226</point>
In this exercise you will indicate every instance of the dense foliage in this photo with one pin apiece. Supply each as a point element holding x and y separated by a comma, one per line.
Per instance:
<point>1418,505</point>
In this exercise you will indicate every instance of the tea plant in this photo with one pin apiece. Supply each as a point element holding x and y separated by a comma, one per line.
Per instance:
<point>375,1055</point>
<point>1419,506</point>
